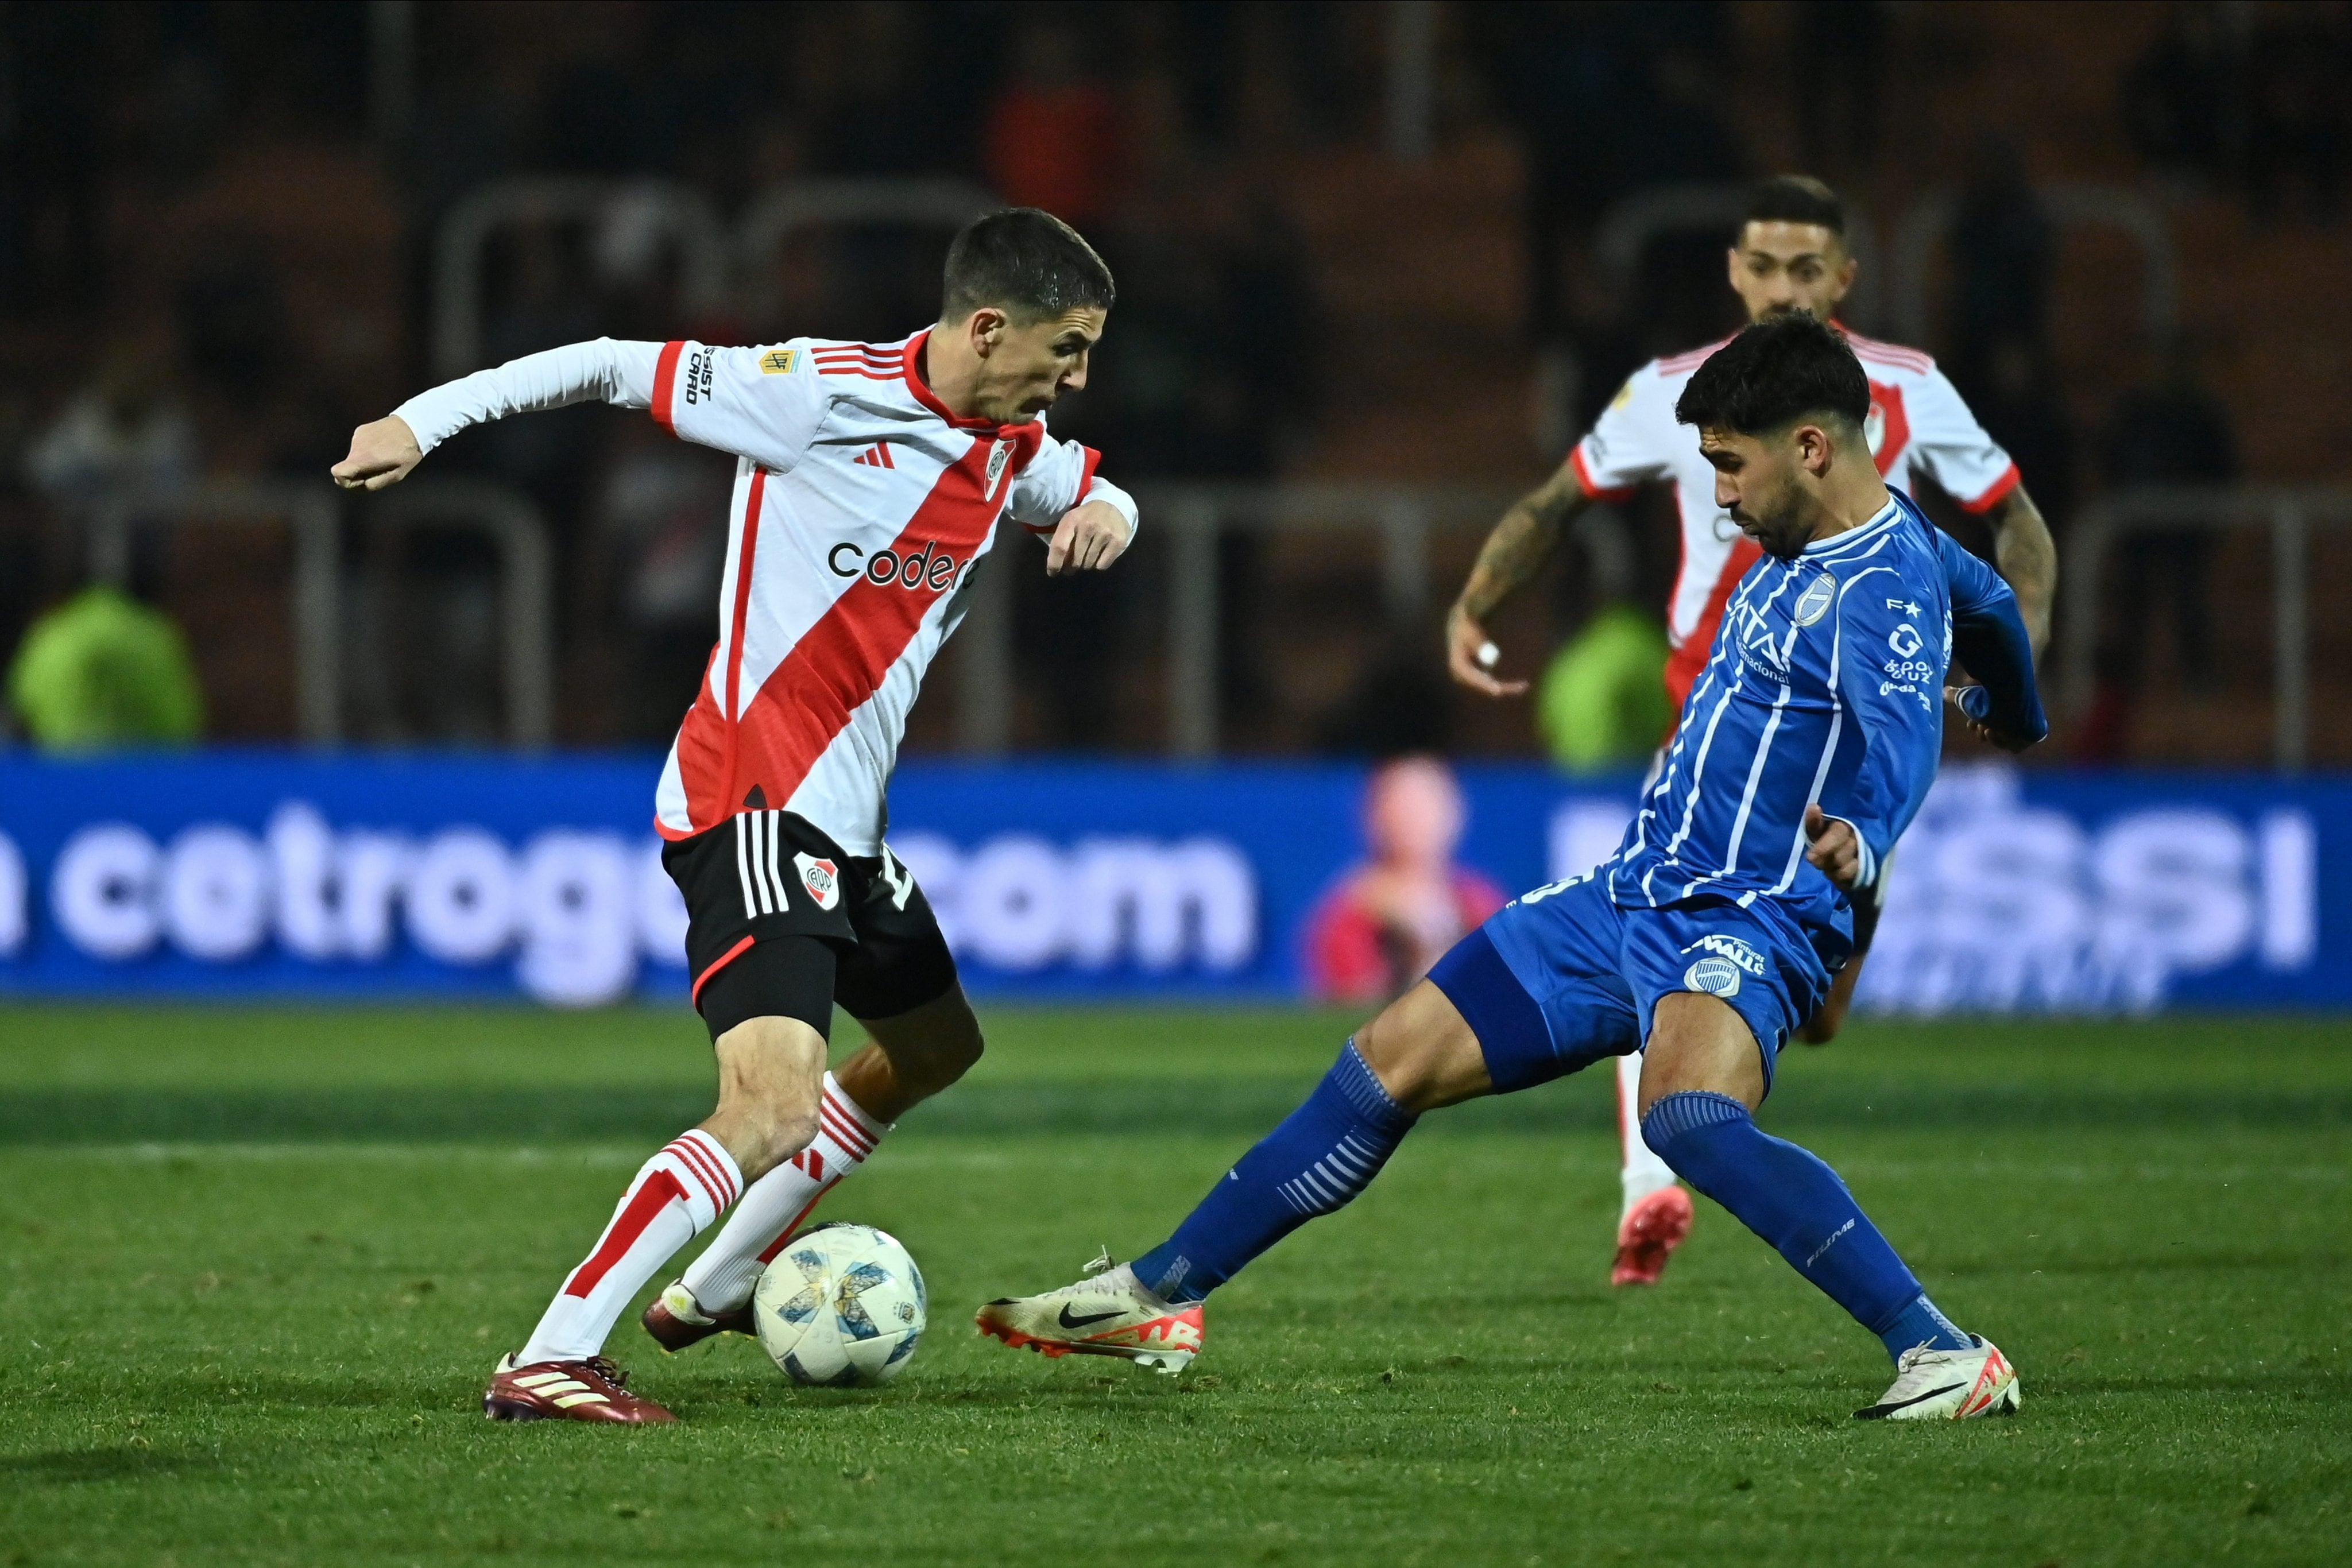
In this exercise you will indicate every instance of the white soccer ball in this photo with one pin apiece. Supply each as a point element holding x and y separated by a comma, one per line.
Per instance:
<point>841,1307</point>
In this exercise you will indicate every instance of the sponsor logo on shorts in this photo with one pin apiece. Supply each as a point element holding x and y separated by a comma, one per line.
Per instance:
<point>1716,977</point>
<point>821,877</point>
<point>779,362</point>
<point>1730,947</point>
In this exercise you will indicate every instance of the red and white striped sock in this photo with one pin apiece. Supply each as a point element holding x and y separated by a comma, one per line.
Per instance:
<point>675,1197</point>
<point>723,1278</point>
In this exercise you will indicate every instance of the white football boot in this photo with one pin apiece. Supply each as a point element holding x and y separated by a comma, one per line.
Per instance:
<point>1949,1386</point>
<point>1108,1312</point>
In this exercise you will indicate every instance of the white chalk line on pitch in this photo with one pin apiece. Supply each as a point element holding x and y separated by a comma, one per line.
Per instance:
<point>599,1156</point>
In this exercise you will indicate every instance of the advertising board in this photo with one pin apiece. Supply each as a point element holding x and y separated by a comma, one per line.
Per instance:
<point>253,874</point>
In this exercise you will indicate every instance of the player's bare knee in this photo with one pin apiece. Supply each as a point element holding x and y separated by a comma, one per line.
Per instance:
<point>1422,1053</point>
<point>771,1074</point>
<point>1699,1043</point>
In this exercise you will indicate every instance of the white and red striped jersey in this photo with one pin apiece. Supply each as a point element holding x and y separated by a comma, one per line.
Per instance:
<point>861,505</point>
<point>1918,428</point>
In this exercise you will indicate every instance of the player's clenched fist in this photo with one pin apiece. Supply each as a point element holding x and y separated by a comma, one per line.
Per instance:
<point>382,453</point>
<point>1087,539</point>
<point>1835,848</point>
<point>1975,708</point>
<point>1470,655</point>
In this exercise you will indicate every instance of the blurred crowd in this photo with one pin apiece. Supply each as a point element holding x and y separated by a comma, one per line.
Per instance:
<point>217,225</point>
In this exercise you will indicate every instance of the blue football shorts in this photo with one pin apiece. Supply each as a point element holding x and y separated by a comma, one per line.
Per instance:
<point>1562,977</point>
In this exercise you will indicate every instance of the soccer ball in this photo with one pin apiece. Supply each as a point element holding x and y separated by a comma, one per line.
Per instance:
<point>842,1307</point>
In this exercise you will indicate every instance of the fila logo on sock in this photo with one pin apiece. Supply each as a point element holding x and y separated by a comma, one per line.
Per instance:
<point>822,878</point>
<point>875,457</point>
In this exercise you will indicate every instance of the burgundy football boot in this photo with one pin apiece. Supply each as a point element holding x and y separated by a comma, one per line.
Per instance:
<point>675,1319</point>
<point>590,1390</point>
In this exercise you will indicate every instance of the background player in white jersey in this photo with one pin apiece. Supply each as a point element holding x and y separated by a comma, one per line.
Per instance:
<point>871,479</point>
<point>1790,254</point>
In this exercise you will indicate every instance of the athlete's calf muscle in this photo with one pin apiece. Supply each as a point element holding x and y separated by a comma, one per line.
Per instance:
<point>1423,1052</point>
<point>770,1076</point>
<point>913,1057</point>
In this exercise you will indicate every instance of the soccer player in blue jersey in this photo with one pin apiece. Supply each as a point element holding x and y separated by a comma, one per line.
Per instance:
<point>1713,933</point>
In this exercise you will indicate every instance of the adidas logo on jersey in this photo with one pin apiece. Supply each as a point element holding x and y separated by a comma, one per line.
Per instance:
<point>875,457</point>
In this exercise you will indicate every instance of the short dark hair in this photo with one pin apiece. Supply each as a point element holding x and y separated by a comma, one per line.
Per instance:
<point>1023,260</point>
<point>1794,199</point>
<point>1775,373</point>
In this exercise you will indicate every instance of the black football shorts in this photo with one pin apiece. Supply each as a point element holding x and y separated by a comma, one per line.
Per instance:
<point>780,923</point>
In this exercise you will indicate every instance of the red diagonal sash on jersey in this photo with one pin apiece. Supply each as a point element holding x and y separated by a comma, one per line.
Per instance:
<point>839,662</point>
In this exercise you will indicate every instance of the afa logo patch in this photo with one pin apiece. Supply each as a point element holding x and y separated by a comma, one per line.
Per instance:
<point>779,362</point>
<point>821,877</point>
<point>1716,977</point>
<point>1815,601</point>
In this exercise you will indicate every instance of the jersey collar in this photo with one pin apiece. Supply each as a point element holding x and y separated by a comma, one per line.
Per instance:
<point>1838,544</point>
<point>930,400</point>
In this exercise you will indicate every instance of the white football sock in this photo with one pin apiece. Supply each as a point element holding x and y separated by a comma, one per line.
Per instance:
<point>723,1278</point>
<point>1644,1172</point>
<point>676,1196</point>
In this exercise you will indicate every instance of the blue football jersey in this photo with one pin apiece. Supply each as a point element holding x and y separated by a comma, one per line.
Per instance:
<point>1825,685</point>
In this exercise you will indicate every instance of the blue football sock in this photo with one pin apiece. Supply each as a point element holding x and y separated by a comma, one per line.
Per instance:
<point>1324,1154</point>
<point>1787,1197</point>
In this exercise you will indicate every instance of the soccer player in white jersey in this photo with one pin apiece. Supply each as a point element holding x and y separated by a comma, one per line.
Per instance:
<point>1790,254</point>
<point>871,480</point>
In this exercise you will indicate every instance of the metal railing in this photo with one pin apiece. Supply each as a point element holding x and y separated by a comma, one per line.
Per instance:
<point>678,212</point>
<point>782,211</point>
<point>2069,205</point>
<point>1189,518</point>
<point>314,514</point>
<point>310,512</point>
<point>526,584</point>
<point>2290,512</point>
<point>724,264</point>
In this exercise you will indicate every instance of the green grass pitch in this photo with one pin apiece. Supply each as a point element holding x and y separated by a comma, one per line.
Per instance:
<point>260,1262</point>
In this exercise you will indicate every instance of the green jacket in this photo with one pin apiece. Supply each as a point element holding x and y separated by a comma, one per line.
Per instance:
<point>1603,701</point>
<point>103,670</point>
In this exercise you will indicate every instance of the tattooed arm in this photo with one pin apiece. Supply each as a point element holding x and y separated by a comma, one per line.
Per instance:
<point>1512,555</point>
<point>2028,560</point>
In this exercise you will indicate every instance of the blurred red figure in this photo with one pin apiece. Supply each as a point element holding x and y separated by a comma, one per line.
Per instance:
<point>1391,918</point>
<point>1053,139</point>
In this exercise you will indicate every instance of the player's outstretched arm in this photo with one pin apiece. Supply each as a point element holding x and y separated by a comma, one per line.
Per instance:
<point>382,452</point>
<point>2028,559</point>
<point>1514,552</point>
